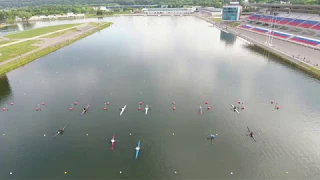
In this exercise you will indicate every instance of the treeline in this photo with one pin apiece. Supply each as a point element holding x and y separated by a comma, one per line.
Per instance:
<point>10,16</point>
<point>25,13</point>
<point>30,3</point>
<point>174,3</point>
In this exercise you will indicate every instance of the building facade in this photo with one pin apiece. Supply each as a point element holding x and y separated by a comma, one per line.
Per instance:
<point>211,11</point>
<point>167,11</point>
<point>231,13</point>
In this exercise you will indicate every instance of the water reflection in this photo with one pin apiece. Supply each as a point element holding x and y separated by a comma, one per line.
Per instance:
<point>5,89</point>
<point>227,37</point>
<point>17,27</point>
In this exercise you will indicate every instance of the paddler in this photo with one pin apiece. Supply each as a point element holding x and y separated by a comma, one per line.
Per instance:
<point>251,134</point>
<point>84,108</point>
<point>212,136</point>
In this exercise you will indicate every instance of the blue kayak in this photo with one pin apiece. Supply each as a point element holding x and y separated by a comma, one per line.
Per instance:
<point>137,149</point>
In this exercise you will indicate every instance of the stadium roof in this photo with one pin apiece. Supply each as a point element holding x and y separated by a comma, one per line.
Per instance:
<point>315,9</point>
<point>285,6</point>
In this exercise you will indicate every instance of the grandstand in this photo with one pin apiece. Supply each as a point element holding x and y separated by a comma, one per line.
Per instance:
<point>285,36</point>
<point>295,23</point>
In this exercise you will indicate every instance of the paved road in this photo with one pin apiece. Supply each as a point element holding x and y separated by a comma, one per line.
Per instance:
<point>27,39</point>
<point>51,42</point>
<point>298,52</point>
<point>292,49</point>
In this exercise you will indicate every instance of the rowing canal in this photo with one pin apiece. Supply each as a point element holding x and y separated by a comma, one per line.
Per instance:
<point>158,60</point>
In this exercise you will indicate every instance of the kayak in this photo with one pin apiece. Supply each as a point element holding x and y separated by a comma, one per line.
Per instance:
<point>252,135</point>
<point>123,109</point>
<point>85,110</point>
<point>112,142</point>
<point>137,149</point>
<point>60,132</point>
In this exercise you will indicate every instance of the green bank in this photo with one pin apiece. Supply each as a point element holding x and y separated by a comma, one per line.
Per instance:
<point>40,31</point>
<point>15,50</point>
<point>26,59</point>
<point>312,71</point>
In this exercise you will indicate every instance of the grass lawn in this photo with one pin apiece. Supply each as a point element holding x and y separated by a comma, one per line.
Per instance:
<point>14,50</point>
<point>40,31</point>
<point>218,20</point>
<point>5,42</point>
<point>60,33</point>
<point>234,24</point>
<point>24,60</point>
<point>93,24</point>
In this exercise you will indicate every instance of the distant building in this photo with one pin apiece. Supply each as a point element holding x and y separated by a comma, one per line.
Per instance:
<point>171,11</point>
<point>231,12</point>
<point>211,11</point>
<point>44,17</point>
<point>102,8</point>
<point>132,6</point>
<point>196,8</point>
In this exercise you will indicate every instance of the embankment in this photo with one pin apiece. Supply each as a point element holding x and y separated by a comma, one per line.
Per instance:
<point>277,54</point>
<point>42,52</point>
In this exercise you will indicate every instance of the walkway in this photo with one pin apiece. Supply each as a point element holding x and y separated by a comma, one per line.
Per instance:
<point>51,42</point>
<point>301,53</point>
<point>293,51</point>
<point>27,39</point>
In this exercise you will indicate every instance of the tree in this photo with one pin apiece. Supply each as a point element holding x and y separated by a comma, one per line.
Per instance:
<point>99,12</point>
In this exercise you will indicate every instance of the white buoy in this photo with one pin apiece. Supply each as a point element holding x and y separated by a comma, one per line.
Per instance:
<point>216,134</point>
<point>130,134</point>
<point>231,173</point>
<point>120,172</point>
<point>44,135</point>
<point>10,173</point>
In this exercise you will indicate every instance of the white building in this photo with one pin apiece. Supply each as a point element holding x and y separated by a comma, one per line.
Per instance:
<point>102,8</point>
<point>211,11</point>
<point>195,8</point>
<point>44,17</point>
<point>172,11</point>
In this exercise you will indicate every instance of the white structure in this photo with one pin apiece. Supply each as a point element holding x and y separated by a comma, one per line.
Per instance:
<point>172,11</point>
<point>211,11</point>
<point>195,8</point>
<point>68,15</point>
<point>284,2</point>
<point>102,8</point>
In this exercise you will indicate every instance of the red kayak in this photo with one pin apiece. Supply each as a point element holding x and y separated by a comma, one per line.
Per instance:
<point>112,142</point>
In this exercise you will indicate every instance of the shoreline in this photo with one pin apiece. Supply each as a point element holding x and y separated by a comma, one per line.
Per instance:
<point>11,65</point>
<point>284,57</point>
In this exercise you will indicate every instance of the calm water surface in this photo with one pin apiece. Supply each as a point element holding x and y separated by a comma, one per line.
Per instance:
<point>158,60</point>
